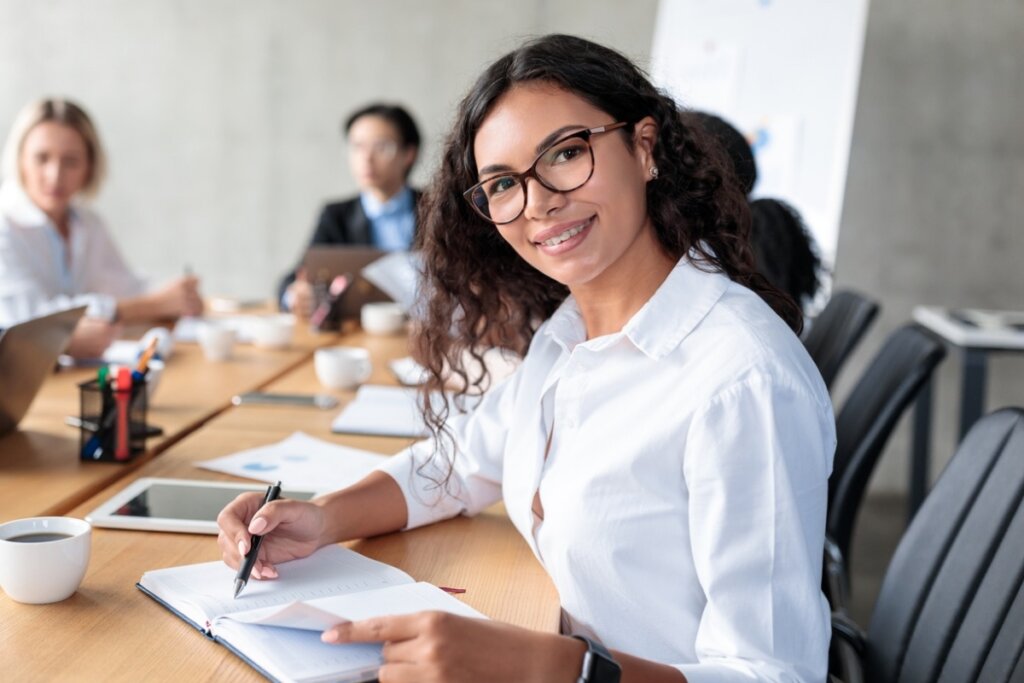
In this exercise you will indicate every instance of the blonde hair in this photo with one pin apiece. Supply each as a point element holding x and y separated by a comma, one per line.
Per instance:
<point>64,112</point>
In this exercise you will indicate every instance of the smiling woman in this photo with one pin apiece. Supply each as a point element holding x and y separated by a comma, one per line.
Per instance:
<point>665,445</point>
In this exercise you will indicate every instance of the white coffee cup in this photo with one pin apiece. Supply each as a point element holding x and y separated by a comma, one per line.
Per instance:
<point>216,341</point>
<point>342,367</point>
<point>385,317</point>
<point>43,559</point>
<point>272,331</point>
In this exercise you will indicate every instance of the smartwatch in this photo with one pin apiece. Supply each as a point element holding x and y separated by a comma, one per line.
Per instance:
<point>598,664</point>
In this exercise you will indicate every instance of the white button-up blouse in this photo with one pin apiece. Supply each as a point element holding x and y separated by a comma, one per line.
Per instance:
<point>41,273</point>
<point>684,491</point>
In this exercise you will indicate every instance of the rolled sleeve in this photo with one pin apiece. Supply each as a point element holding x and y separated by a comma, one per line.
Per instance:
<point>421,471</point>
<point>757,473</point>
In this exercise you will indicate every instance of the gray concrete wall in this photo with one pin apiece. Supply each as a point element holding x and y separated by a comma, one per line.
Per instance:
<point>221,117</point>
<point>934,209</point>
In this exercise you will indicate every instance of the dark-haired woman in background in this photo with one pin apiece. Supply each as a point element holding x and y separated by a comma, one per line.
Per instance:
<point>383,144</point>
<point>665,445</point>
<point>784,251</point>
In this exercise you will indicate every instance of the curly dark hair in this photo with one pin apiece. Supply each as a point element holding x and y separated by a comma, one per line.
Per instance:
<point>784,251</point>
<point>479,292</point>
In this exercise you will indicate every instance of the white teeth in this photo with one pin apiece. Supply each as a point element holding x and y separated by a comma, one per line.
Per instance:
<point>558,239</point>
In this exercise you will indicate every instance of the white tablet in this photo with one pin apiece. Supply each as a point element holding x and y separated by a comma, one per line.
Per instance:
<point>185,505</point>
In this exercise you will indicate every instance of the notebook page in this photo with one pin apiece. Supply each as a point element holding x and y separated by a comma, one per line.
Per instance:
<point>332,570</point>
<point>320,614</point>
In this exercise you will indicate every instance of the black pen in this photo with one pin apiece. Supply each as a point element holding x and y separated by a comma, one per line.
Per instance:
<point>254,549</point>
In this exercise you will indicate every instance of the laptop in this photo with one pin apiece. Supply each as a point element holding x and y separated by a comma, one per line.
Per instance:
<point>323,263</point>
<point>28,354</point>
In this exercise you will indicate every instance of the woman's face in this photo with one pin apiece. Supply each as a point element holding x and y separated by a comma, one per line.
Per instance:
<point>376,156</point>
<point>603,218</point>
<point>54,167</point>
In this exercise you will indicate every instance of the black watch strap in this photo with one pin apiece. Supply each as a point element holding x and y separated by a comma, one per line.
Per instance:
<point>598,664</point>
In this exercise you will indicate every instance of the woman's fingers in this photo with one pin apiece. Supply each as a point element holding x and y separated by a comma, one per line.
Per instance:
<point>391,629</point>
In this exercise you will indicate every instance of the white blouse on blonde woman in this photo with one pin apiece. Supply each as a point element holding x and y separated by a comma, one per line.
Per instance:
<point>40,272</point>
<point>683,494</point>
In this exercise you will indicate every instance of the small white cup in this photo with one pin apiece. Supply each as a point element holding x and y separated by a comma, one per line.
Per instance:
<point>272,331</point>
<point>385,317</point>
<point>37,571</point>
<point>342,367</point>
<point>216,341</point>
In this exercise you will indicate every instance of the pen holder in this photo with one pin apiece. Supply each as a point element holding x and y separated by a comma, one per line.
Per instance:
<point>113,423</point>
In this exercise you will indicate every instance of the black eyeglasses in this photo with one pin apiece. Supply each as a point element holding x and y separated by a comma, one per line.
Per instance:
<point>566,165</point>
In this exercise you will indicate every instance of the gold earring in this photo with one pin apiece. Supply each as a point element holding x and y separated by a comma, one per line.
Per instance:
<point>654,172</point>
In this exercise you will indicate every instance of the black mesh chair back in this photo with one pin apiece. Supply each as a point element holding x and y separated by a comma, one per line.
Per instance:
<point>837,330</point>
<point>951,607</point>
<point>890,384</point>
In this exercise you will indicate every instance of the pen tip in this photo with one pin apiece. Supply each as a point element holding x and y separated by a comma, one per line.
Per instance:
<point>239,585</point>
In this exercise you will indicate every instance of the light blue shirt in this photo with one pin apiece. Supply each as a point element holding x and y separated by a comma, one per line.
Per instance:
<point>392,223</point>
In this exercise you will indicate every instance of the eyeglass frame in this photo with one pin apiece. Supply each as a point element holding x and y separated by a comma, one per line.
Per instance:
<point>531,172</point>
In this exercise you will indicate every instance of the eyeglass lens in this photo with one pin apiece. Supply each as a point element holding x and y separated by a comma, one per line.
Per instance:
<point>564,167</point>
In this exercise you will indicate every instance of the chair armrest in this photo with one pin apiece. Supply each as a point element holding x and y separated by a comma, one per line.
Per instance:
<point>847,650</point>
<point>837,582</point>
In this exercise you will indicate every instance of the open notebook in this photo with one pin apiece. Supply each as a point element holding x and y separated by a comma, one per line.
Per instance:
<point>275,626</point>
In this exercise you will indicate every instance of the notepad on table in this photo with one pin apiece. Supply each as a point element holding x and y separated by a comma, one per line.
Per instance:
<point>274,626</point>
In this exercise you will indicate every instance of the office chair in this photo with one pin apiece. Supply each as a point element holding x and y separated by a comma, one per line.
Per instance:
<point>837,330</point>
<point>889,385</point>
<point>951,606</point>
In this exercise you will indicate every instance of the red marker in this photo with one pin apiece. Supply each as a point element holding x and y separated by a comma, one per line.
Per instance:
<point>122,396</point>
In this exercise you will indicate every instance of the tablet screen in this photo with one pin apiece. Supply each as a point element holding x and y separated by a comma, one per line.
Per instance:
<point>198,503</point>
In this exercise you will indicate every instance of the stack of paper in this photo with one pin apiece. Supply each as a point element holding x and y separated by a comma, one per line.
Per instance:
<point>300,461</point>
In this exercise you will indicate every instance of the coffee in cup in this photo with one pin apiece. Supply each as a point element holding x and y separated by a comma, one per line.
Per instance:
<point>43,559</point>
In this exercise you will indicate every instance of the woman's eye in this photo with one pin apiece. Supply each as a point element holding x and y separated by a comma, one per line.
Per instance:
<point>499,185</point>
<point>567,153</point>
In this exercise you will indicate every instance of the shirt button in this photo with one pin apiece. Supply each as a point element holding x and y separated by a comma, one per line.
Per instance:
<point>570,423</point>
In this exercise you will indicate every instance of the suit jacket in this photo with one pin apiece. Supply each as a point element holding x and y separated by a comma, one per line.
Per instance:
<point>341,223</point>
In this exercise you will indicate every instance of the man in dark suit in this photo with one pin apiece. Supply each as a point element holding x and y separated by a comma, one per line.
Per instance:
<point>383,144</point>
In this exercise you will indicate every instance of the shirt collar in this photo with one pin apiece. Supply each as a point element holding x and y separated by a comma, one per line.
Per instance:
<point>681,302</point>
<point>15,204</point>
<point>374,208</point>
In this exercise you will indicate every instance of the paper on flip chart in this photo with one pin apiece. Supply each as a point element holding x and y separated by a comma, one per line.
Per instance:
<point>320,614</point>
<point>301,461</point>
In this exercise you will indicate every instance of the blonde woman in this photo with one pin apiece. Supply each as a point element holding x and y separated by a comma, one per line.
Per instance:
<point>54,251</point>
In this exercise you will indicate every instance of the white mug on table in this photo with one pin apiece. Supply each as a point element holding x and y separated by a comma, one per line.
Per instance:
<point>342,367</point>
<point>43,559</point>
<point>216,340</point>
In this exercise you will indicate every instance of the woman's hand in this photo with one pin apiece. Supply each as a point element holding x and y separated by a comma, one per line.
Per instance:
<point>91,338</point>
<point>437,646</point>
<point>291,529</point>
<point>179,297</point>
<point>175,299</point>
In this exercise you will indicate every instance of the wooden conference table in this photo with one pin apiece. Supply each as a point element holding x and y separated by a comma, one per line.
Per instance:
<point>109,630</point>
